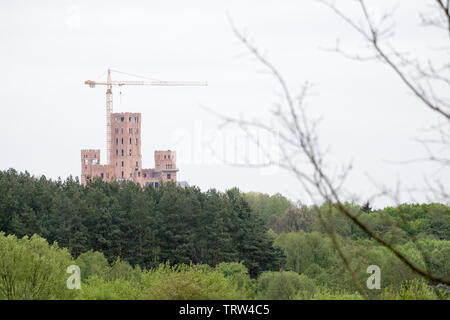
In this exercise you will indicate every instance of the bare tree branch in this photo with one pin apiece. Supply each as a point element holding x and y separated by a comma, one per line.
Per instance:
<point>298,135</point>
<point>374,34</point>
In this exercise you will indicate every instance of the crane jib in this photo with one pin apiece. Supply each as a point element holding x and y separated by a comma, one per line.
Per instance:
<point>92,84</point>
<point>109,95</point>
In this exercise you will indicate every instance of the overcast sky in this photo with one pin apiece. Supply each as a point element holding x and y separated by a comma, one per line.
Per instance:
<point>49,48</point>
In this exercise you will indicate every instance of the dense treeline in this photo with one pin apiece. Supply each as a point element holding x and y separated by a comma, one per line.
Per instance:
<point>33,269</point>
<point>181,243</point>
<point>400,224</point>
<point>420,231</point>
<point>142,226</point>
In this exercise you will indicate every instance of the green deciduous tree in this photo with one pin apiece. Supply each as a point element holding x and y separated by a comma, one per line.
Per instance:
<point>30,268</point>
<point>92,263</point>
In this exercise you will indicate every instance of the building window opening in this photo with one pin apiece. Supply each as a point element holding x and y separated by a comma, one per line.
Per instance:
<point>168,176</point>
<point>130,152</point>
<point>122,163</point>
<point>122,152</point>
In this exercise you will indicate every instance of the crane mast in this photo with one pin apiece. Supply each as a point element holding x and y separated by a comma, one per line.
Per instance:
<point>109,110</point>
<point>109,97</point>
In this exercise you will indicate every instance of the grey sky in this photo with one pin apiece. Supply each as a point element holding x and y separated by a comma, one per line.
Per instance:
<point>49,48</point>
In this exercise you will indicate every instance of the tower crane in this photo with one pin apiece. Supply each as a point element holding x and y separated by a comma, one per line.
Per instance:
<point>109,98</point>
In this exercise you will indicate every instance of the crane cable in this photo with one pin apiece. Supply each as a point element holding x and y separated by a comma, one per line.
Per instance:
<point>135,75</point>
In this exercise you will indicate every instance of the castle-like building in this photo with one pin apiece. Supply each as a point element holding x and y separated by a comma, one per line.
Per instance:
<point>125,159</point>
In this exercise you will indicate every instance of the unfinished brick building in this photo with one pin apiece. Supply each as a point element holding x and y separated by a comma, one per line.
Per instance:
<point>125,159</point>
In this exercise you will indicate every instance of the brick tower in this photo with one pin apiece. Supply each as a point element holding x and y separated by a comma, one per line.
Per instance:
<point>125,144</point>
<point>125,157</point>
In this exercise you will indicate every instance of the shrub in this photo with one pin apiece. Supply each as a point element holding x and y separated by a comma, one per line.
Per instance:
<point>283,285</point>
<point>92,263</point>
<point>238,274</point>
<point>324,293</point>
<point>410,290</point>
<point>182,282</point>
<point>97,288</point>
